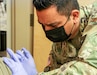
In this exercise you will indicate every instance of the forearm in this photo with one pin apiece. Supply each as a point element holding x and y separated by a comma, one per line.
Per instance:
<point>52,62</point>
<point>4,70</point>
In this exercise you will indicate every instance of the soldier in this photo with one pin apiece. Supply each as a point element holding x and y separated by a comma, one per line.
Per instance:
<point>73,32</point>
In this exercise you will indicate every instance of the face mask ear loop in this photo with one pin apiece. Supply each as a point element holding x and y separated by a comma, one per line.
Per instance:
<point>66,21</point>
<point>72,29</point>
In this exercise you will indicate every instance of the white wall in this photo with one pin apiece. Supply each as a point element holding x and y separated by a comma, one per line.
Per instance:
<point>85,2</point>
<point>8,23</point>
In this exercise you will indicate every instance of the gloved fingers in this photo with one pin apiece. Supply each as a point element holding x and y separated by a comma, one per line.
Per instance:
<point>10,63</point>
<point>26,53</point>
<point>15,67</point>
<point>20,55</point>
<point>19,52</point>
<point>12,55</point>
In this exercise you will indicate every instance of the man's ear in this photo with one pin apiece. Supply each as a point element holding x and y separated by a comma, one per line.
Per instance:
<point>75,15</point>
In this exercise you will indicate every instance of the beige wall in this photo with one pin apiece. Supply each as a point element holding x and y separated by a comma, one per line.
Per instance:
<point>21,29</point>
<point>42,46</point>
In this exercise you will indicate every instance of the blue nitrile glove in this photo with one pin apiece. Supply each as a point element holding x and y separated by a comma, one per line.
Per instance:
<point>14,64</point>
<point>27,61</point>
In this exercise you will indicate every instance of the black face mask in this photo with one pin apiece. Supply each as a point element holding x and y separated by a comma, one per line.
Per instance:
<point>57,35</point>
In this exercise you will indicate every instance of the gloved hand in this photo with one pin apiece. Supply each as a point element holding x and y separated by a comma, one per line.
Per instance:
<point>14,64</point>
<point>27,61</point>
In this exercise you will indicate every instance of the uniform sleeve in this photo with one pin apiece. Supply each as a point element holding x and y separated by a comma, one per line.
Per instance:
<point>4,70</point>
<point>77,68</point>
<point>87,62</point>
<point>89,14</point>
<point>52,62</point>
<point>53,72</point>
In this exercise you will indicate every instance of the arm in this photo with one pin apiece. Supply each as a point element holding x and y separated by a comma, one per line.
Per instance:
<point>14,64</point>
<point>52,63</point>
<point>88,55</point>
<point>86,66</point>
<point>4,70</point>
<point>27,61</point>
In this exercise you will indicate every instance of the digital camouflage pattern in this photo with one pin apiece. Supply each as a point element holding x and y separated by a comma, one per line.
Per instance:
<point>79,55</point>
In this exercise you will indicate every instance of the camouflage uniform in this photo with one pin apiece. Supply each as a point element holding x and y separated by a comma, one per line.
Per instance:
<point>77,56</point>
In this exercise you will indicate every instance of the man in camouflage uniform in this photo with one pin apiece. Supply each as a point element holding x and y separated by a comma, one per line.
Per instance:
<point>63,52</point>
<point>76,52</point>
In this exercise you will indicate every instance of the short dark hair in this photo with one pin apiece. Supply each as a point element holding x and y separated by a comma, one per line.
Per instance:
<point>64,7</point>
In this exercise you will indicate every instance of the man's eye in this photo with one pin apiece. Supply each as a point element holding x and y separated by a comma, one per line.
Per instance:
<point>53,25</point>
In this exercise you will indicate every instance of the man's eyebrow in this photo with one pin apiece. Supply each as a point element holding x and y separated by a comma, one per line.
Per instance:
<point>54,24</point>
<point>51,24</point>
